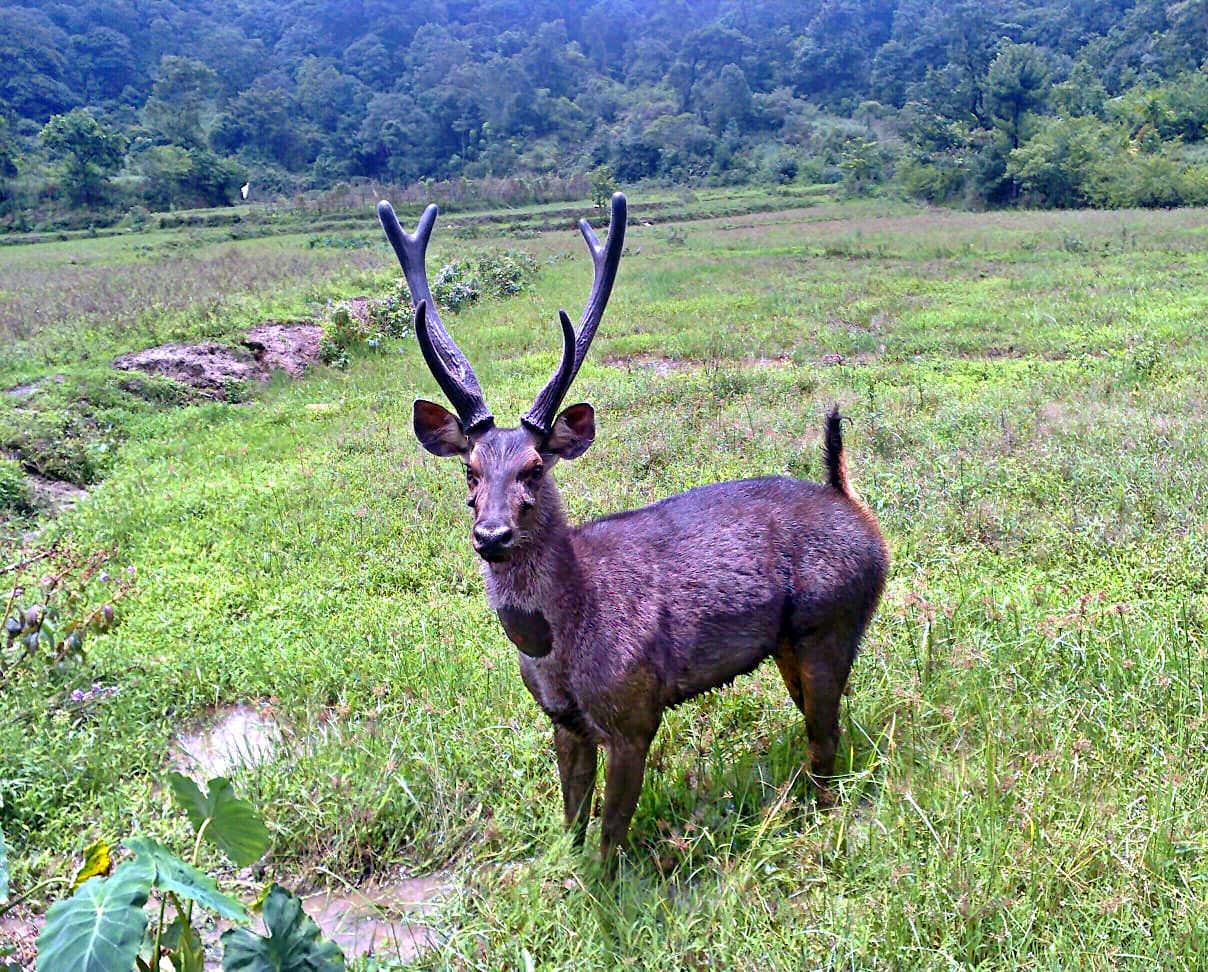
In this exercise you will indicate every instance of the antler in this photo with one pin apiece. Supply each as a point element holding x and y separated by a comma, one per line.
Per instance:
<point>606,259</point>
<point>448,365</point>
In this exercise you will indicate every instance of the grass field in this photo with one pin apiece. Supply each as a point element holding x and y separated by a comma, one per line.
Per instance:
<point>1025,751</point>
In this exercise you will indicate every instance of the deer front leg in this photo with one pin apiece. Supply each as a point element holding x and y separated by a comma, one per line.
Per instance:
<point>622,787</point>
<point>577,771</point>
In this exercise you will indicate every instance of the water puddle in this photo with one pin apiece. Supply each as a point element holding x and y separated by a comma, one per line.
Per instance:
<point>377,919</point>
<point>238,736</point>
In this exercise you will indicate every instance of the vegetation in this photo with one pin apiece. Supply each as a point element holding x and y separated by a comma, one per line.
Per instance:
<point>1024,770</point>
<point>103,927</point>
<point>989,103</point>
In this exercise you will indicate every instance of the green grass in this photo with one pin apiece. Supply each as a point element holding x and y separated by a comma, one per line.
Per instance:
<point>1024,749</point>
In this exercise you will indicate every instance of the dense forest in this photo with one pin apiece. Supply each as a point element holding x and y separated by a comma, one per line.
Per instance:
<point>112,106</point>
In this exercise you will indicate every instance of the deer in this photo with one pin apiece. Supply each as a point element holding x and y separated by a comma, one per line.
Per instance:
<point>621,618</point>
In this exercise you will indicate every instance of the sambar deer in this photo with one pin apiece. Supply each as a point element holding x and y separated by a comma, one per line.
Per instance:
<point>623,617</point>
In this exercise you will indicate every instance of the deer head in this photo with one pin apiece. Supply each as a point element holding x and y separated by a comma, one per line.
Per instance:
<point>506,468</point>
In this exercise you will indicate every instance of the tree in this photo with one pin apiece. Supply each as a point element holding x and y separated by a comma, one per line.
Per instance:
<point>1016,83</point>
<point>730,103</point>
<point>180,101</point>
<point>1082,93</point>
<point>90,152</point>
<point>1057,165</point>
<point>187,177</point>
<point>603,185</point>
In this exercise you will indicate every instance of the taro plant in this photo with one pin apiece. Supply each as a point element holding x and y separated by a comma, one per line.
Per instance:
<point>104,925</point>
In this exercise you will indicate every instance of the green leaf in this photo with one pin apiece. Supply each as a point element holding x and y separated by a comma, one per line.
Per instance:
<point>231,824</point>
<point>294,943</point>
<point>187,953</point>
<point>97,863</point>
<point>173,874</point>
<point>100,927</point>
<point>3,868</point>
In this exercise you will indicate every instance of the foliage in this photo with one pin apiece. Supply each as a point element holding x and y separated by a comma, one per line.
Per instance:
<point>91,152</point>
<point>294,941</point>
<point>366,322</point>
<point>56,598</point>
<point>230,824</point>
<point>100,928</point>
<point>103,927</point>
<point>14,491</point>
<point>312,95</point>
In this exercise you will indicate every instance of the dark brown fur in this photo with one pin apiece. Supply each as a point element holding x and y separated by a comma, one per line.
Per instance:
<point>625,616</point>
<point>619,619</point>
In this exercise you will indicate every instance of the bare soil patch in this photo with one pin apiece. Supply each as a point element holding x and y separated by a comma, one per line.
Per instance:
<point>288,347</point>
<point>19,931</point>
<point>55,495</point>
<point>210,368</point>
<point>213,369</point>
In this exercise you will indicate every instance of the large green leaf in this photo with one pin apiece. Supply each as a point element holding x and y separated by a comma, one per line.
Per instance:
<point>3,868</point>
<point>100,927</point>
<point>231,824</point>
<point>173,874</point>
<point>294,943</point>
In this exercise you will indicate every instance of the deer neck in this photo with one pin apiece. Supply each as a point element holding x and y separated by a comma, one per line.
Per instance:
<point>540,576</point>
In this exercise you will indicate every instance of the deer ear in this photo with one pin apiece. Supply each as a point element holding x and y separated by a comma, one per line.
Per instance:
<point>574,430</point>
<point>438,429</point>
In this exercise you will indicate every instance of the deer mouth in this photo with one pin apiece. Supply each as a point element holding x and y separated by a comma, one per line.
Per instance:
<point>494,553</point>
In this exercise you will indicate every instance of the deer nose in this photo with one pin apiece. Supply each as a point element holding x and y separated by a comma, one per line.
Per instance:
<point>492,539</point>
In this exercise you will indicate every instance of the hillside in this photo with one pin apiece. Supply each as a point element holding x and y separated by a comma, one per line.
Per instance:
<point>1003,102</point>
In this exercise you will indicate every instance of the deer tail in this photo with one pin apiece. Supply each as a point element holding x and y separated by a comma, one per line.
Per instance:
<point>836,461</point>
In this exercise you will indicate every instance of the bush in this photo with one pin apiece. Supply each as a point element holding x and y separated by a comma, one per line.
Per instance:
<point>364,322</point>
<point>14,490</point>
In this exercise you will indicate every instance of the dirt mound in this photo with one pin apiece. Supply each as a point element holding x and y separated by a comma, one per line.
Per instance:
<point>212,368</point>
<point>289,347</point>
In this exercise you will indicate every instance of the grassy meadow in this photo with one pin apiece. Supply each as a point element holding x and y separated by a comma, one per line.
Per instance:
<point>1025,749</point>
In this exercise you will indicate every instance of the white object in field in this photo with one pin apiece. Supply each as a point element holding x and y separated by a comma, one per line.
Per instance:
<point>245,189</point>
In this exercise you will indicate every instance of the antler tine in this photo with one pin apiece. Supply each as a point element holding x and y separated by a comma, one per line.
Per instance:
<point>448,365</point>
<point>605,260</point>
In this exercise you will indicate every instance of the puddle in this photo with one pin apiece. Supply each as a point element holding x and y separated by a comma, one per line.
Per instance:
<point>376,918</point>
<point>238,736</point>
<point>24,391</point>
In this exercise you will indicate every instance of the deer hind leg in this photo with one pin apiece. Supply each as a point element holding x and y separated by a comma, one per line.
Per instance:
<point>790,670</point>
<point>824,663</point>
<point>577,773</point>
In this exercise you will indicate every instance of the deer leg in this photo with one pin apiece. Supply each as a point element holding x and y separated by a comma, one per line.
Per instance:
<point>577,772</point>
<point>824,669</point>
<point>790,671</point>
<point>622,787</point>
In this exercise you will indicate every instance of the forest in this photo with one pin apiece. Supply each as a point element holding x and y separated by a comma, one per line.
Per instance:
<point>111,108</point>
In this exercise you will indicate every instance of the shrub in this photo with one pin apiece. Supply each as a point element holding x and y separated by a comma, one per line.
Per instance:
<point>364,322</point>
<point>14,491</point>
